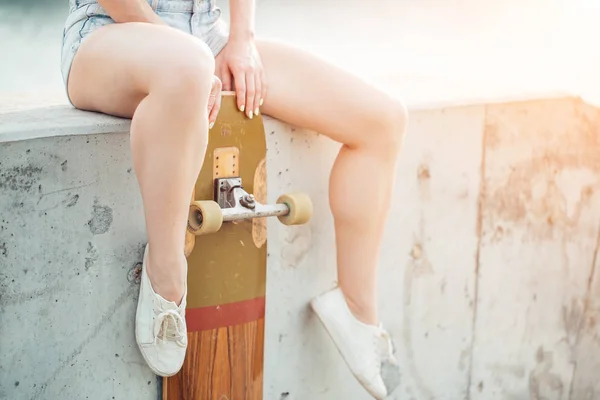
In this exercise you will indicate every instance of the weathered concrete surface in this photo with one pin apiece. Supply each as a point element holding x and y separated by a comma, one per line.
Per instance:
<point>539,231</point>
<point>71,231</point>
<point>488,282</point>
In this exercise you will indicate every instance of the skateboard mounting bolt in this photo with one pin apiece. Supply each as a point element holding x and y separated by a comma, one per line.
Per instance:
<point>247,201</point>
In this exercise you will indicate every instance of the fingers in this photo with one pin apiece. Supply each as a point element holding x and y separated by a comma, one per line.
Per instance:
<point>258,93</point>
<point>250,93</point>
<point>263,82</point>
<point>240,89</point>
<point>222,72</point>
<point>214,102</point>
<point>215,111</point>
<point>225,77</point>
<point>250,89</point>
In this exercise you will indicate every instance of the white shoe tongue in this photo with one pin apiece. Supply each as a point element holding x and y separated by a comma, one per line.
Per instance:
<point>166,304</point>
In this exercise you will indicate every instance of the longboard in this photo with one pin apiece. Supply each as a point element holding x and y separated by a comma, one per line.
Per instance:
<point>226,248</point>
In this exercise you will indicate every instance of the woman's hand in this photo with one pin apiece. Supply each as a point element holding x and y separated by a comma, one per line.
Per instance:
<point>239,66</point>
<point>214,102</point>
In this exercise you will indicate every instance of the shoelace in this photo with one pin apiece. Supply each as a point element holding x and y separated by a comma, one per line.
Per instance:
<point>387,368</point>
<point>384,347</point>
<point>168,325</point>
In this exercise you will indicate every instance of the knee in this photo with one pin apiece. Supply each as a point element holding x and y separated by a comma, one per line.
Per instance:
<point>187,76</point>
<point>392,121</point>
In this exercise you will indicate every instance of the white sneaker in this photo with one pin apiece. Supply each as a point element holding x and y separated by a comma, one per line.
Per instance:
<point>367,349</point>
<point>160,328</point>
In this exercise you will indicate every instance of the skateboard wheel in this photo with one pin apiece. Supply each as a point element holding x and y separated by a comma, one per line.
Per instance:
<point>205,217</point>
<point>190,238</point>
<point>300,206</point>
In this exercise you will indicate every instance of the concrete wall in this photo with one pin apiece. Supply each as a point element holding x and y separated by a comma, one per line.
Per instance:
<point>489,278</point>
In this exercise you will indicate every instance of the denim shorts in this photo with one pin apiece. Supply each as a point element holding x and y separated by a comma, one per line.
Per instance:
<point>201,18</point>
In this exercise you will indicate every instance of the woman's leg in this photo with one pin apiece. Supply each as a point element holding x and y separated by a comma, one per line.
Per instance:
<point>308,92</point>
<point>162,78</point>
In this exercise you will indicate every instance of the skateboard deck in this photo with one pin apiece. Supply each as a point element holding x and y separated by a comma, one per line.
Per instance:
<point>226,249</point>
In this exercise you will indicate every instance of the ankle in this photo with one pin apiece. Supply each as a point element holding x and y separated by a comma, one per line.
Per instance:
<point>364,311</point>
<point>167,277</point>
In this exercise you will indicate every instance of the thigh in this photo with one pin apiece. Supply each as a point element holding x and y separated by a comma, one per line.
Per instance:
<point>307,91</point>
<point>116,66</point>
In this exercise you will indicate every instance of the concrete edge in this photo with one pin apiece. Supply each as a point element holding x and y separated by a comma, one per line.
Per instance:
<point>57,120</point>
<point>489,100</point>
<point>65,120</point>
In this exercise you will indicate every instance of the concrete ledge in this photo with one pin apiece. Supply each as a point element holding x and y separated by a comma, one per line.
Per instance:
<point>492,238</point>
<point>57,121</point>
<point>34,121</point>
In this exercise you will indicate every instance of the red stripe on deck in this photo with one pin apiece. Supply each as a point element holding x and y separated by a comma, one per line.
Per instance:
<point>213,317</point>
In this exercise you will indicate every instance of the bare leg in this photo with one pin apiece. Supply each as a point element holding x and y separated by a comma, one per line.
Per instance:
<point>162,78</point>
<point>308,92</point>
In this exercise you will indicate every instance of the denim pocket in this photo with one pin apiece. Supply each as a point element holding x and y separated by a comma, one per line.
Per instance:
<point>95,17</point>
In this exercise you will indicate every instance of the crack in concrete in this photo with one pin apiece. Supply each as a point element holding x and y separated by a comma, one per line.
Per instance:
<point>65,190</point>
<point>20,298</point>
<point>586,306</point>
<point>479,231</point>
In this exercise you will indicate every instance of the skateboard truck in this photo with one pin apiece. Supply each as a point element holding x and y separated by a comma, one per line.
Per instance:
<point>233,203</point>
<point>237,204</point>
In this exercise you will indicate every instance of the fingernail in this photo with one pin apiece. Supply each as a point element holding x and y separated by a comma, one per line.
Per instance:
<point>242,108</point>
<point>261,102</point>
<point>250,115</point>
<point>210,126</point>
<point>256,111</point>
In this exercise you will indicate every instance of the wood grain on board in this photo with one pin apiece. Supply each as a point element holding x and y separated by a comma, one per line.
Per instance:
<point>222,363</point>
